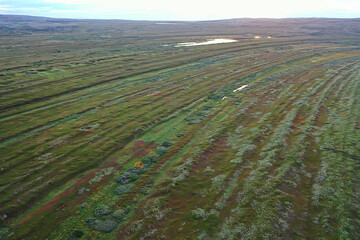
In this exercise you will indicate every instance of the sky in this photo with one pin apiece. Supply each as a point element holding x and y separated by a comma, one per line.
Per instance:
<point>182,9</point>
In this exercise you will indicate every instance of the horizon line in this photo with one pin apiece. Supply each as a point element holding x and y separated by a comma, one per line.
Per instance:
<point>220,19</point>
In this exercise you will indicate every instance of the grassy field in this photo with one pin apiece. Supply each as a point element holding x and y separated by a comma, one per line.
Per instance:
<point>110,131</point>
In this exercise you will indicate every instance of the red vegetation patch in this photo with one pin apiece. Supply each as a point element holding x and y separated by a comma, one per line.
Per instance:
<point>218,146</point>
<point>143,148</point>
<point>87,131</point>
<point>299,119</point>
<point>123,233</point>
<point>52,204</point>
<point>139,144</point>
<point>264,56</point>
<point>176,203</point>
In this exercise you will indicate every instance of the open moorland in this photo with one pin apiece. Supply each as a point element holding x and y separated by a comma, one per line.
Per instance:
<point>111,130</point>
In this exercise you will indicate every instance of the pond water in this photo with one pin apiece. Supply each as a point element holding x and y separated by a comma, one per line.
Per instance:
<point>208,42</point>
<point>240,88</point>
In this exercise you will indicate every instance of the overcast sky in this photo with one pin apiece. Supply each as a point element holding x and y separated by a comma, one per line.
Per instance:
<point>182,9</point>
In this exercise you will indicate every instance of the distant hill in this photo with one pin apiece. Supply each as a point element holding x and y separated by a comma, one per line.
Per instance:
<point>242,27</point>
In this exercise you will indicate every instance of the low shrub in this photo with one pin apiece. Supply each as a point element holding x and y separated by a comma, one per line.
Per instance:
<point>236,160</point>
<point>182,171</point>
<point>181,134</point>
<point>209,170</point>
<point>127,177</point>
<point>81,190</point>
<point>187,119</point>
<point>136,171</point>
<point>102,210</point>
<point>167,144</point>
<point>105,226</point>
<point>145,191</point>
<point>195,121</point>
<point>151,158</point>
<point>90,221</point>
<point>199,213</point>
<point>147,161</point>
<point>217,182</point>
<point>99,175</point>
<point>123,189</point>
<point>161,150</point>
<point>77,234</point>
<point>119,214</point>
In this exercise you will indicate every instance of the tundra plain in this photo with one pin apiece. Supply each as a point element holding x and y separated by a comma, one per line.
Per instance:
<point>111,130</point>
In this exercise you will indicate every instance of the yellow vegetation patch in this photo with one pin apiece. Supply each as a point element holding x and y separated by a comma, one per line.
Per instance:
<point>139,164</point>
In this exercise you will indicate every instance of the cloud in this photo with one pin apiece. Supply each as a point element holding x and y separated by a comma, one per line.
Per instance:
<point>75,2</point>
<point>202,9</point>
<point>346,5</point>
<point>195,9</point>
<point>65,11</point>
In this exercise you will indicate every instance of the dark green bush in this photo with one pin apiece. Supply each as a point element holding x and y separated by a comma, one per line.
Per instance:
<point>167,144</point>
<point>4,232</point>
<point>207,107</point>
<point>181,134</point>
<point>119,214</point>
<point>195,121</point>
<point>161,150</point>
<point>147,161</point>
<point>200,114</point>
<point>77,234</point>
<point>126,178</point>
<point>102,210</point>
<point>187,119</point>
<point>151,158</point>
<point>136,170</point>
<point>105,226</point>
<point>132,173</point>
<point>145,191</point>
<point>215,96</point>
<point>123,189</point>
<point>90,221</point>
